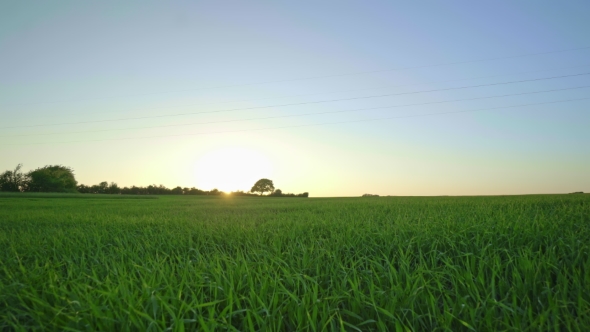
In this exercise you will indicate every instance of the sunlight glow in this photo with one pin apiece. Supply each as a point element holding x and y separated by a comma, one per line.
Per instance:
<point>231,168</point>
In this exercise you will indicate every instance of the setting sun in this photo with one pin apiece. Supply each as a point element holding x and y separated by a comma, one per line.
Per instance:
<point>231,168</point>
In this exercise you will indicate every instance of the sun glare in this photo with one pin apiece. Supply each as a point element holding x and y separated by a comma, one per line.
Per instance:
<point>231,169</point>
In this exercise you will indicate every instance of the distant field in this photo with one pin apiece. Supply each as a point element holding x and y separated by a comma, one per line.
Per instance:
<point>82,196</point>
<point>517,263</point>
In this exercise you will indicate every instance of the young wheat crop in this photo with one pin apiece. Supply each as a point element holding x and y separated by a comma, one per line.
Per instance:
<point>517,263</point>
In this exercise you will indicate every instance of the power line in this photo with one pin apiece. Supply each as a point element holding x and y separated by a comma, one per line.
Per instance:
<point>295,104</point>
<point>311,125</point>
<point>337,91</point>
<point>314,77</point>
<point>295,115</point>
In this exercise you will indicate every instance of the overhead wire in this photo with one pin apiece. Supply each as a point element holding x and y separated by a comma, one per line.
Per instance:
<point>321,93</point>
<point>316,77</point>
<point>310,125</point>
<point>296,115</point>
<point>295,104</point>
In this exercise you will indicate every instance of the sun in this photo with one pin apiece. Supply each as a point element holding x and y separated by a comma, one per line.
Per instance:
<point>231,168</point>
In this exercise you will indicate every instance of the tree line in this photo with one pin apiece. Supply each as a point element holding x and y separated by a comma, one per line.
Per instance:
<point>58,178</point>
<point>112,188</point>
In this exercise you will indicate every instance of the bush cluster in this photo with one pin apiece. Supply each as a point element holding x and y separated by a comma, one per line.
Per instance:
<point>50,178</point>
<point>279,193</point>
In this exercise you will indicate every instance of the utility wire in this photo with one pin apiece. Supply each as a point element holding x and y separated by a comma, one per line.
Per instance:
<point>322,93</point>
<point>311,125</point>
<point>296,104</point>
<point>316,77</point>
<point>293,115</point>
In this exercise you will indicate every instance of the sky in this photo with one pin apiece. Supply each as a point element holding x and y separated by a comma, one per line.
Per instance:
<point>334,98</point>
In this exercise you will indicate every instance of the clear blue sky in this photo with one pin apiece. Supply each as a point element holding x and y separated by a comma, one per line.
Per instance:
<point>66,67</point>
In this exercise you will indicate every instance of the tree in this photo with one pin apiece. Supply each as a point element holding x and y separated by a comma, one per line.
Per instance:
<point>114,188</point>
<point>13,180</point>
<point>52,178</point>
<point>83,189</point>
<point>263,185</point>
<point>215,191</point>
<point>103,187</point>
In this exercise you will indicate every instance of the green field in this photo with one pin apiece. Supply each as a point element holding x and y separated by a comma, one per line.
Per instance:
<point>43,196</point>
<point>514,263</point>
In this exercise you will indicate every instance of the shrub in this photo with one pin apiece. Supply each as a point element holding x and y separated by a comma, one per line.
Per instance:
<point>52,178</point>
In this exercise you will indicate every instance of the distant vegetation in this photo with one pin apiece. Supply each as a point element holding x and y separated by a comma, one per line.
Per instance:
<point>51,178</point>
<point>61,179</point>
<point>279,193</point>
<point>112,188</point>
<point>265,185</point>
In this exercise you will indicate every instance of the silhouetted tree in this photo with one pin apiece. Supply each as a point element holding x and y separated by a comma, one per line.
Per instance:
<point>114,189</point>
<point>83,189</point>
<point>263,185</point>
<point>13,180</point>
<point>103,187</point>
<point>194,191</point>
<point>52,178</point>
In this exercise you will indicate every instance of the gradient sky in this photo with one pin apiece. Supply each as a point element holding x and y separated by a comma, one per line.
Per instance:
<point>63,62</point>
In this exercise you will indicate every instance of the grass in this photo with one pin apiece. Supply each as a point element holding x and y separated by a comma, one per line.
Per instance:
<point>517,263</point>
<point>71,195</point>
